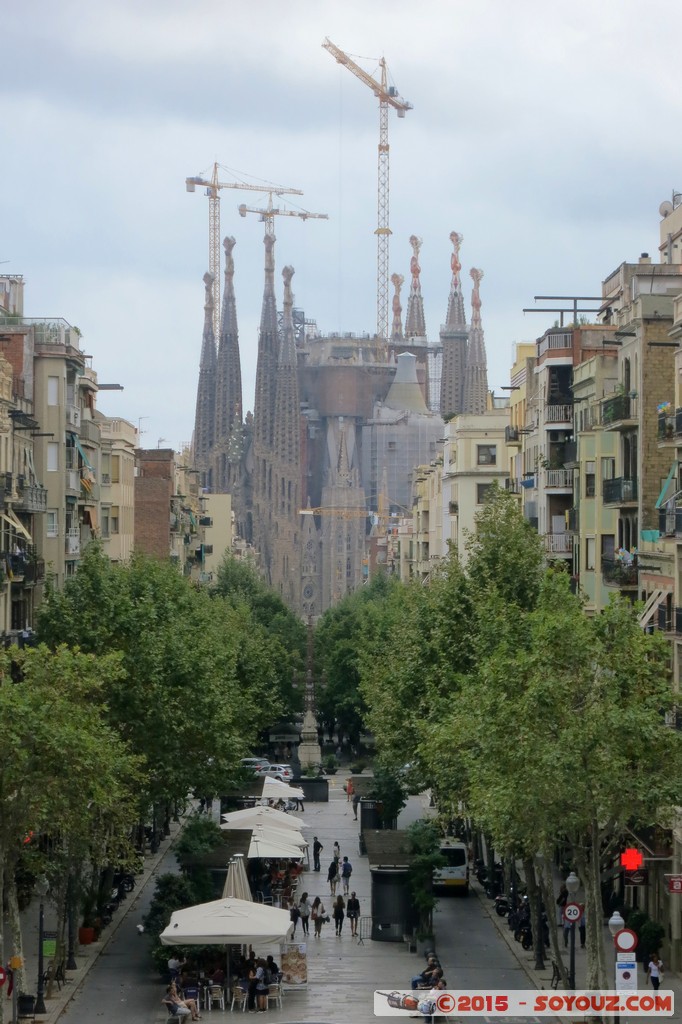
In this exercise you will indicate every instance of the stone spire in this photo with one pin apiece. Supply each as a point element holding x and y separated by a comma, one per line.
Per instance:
<point>454,340</point>
<point>204,419</point>
<point>287,411</point>
<point>397,328</point>
<point>414,321</point>
<point>228,392</point>
<point>476,375</point>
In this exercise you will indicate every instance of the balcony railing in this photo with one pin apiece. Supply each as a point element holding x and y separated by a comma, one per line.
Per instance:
<point>555,340</point>
<point>678,421</point>
<point>670,521</point>
<point>558,414</point>
<point>558,543</point>
<point>73,542</point>
<point>614,410</point>
<point>559,478</point>
<point>512,485</point>
<point>666,426</point>
<point>511,435</point>
<point>31,498</point>
<point>89,431</point>
<point>662,621</point>
<point>617,573</point>
<point>619,491</point>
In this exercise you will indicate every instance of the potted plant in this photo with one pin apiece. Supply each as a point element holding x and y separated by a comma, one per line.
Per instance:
<point>331,765</point>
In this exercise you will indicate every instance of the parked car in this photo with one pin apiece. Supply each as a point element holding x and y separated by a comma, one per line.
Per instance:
<point>282,772</point>
<point>254,762</point>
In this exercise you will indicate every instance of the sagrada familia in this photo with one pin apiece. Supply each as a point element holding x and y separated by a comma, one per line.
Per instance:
<point>339,426</point>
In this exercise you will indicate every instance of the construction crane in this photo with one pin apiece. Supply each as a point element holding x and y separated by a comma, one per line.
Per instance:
<point>340,511</point>
<point>388,97</point>
<point>270,212</point>
<point>213,187</point>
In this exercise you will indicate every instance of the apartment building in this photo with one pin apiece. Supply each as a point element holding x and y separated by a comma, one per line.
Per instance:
<point>118,440</point>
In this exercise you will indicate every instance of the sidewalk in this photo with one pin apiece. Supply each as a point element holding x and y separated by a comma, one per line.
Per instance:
<point>543,979</point>
<point>86,956</point>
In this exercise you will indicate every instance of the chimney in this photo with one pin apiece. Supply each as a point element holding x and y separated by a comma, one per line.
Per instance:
<point>645,258</point>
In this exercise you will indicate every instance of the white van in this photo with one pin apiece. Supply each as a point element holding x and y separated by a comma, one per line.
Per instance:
<point>454,875</point>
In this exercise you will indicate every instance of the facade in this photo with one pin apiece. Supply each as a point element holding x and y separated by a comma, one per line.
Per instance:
<point>117,487</point>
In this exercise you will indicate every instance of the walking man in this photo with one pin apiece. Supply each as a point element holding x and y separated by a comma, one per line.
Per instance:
<point>353,912</point>
<point>346,872</point>
<point>317,849</point>
<point>356,804</point>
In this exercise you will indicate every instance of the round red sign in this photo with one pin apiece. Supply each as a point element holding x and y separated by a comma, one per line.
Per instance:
<point>626,940</point>
<point>3,976</point>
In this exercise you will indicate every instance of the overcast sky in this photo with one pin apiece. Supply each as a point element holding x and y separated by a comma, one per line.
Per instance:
<point>546,132</point>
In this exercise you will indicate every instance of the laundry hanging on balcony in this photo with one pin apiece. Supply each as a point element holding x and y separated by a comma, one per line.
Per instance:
<point>87,479</point>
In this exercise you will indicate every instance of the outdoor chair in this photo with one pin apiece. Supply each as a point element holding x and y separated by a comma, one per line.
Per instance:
<point>240,997</point>
<point>215,994</point>
<point>275,995</point>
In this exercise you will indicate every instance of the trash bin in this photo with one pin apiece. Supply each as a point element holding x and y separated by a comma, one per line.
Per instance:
<point>26,1005</point>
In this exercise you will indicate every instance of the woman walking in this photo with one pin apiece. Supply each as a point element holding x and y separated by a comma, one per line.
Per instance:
<point>304,911</point>
<point>333,876</point>
<point>339,914</point>
<point>655,971</point>
<point>318,915</point>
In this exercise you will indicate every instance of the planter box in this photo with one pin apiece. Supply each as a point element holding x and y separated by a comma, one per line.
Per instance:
<point>315,790</point>
<point>86,936</point>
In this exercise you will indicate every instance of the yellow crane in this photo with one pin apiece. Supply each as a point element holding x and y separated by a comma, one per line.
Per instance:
<point>268,213</point>
<point>213,187</point>
<point>340,511</point>
<point>388,97</point>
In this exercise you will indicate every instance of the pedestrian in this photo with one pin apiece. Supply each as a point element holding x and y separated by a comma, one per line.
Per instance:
<point>304,910</point>
<point>654,971</point>
<point>353,912</point>
<point>350,789</point>
<point>317,849</point>
<point>561,901</point>
<point>581,926</point>
<point>568,926</point>
<point>337,850</point>
<point>299,803</point>
<point>333,876</point>
<point>318,916</point>
<point>346,872</point>
<point>294,914</point>
<point>339,912</point>
<point>356,804</point>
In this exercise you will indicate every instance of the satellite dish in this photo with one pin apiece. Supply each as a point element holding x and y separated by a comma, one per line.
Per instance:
<point>665,208</point>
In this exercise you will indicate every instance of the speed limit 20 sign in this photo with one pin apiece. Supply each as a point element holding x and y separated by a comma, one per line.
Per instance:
<point>572,913</point>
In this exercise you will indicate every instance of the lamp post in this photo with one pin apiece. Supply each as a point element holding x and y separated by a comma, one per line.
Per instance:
<point>616,924</point>
<point>42,887</point>
<point>572,884</point>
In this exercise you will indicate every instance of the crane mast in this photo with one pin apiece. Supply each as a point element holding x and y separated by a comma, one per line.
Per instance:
<point>213,187</point>
<point>387,96</point>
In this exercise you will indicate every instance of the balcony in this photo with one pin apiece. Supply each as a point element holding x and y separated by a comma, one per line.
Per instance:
<point>678,422</point>
<point>618,573</point>
<point>670,521</point>
<point>619,491</point>
<point>73,482</point>
<point>559,480</point>
<point>574,520</point>
<point>31,498</point>
<point>90,432</point>
<point>512,436</point>
<point>618,412</point>
<point>512,485</point>
<point>558,543</point>
<point>73,542</point>
<point>666,426</point>
<point>662,620</point>
<point>559,414</point>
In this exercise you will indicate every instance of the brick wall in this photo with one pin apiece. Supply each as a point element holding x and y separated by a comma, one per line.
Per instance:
<point>657,385</point>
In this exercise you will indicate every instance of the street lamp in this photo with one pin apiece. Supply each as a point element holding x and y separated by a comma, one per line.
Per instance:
<point>42,887</point>
<point>572,884</point>
<point>616,924</point>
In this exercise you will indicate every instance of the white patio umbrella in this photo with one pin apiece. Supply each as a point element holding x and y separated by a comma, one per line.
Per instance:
<point>264,846</point>
<point>226,921</point>
<point>266,830</point>
<point>236,883</point>
<point>273,789</point>
<point>261,815</point>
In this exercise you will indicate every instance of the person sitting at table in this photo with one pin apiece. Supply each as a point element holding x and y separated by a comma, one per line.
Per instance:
<point>177,1003</point>
<point>262,985</point>
<point>217,976</point>
<point>272,968</point>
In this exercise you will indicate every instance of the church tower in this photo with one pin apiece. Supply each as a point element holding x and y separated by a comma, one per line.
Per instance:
<point>476,375</point>
<point>286,461</point>
<point>415,326</point>
<point>204,417</point>
<point>454,336</point>
<point>264,412</point>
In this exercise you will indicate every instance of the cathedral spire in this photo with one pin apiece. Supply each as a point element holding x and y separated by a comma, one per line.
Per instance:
<point>454,340</point>
<point>397,328</point>
<point>287,411</point>
<point>414,321</point>
<point>204,419</point>
<point>228,368</point>
<point>268,351</point>
<point>476,375</point>
<point>455,315</point>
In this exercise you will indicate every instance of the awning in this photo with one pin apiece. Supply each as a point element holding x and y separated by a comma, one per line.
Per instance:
<point>83,456</point>
<point>17,524</point>
<point>666,485</point>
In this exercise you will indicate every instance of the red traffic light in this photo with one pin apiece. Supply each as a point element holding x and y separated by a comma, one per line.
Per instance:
<point>631,859</point>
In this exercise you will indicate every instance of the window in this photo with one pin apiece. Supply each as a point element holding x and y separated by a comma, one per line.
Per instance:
<point>608,546</point>
<point>589,552</point>
<point>53,390</point>
<point>482,493</point>
<point>52,522</point>
<point>114,519</point>
<point>106,525</point>
<point>487,455</point>
<point>115,469</point>
<point>608,469</point>
<point>589,480</point>
<point>52,456</point>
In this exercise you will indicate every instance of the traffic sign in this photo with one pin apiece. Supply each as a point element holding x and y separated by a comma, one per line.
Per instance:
<point>626,940</point>
<point>572,913</point>
<point>675,883</point>
<point>3,976</point>
<point>626,976</point>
